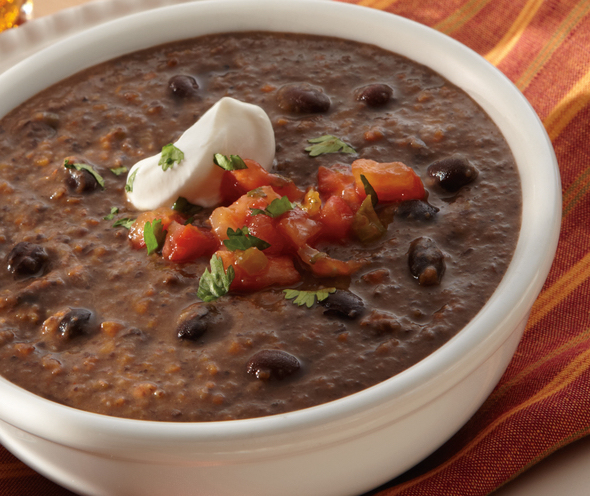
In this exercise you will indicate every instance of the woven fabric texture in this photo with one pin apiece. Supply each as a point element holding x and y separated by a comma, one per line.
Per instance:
<point>542,403</point>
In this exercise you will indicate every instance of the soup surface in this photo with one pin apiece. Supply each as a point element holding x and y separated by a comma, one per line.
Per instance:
<point>91,321</point>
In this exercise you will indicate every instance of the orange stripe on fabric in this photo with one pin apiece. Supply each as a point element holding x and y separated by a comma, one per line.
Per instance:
<point>14,470</point>
<point>563,30</point>
<point>377,4</point>
<point>555,294</point>
<point>576,99</point>
<point>576,192</point>
<point>568,375</point>
<point>506,386</point>
<point>512,36</point>
<point>461,17</point>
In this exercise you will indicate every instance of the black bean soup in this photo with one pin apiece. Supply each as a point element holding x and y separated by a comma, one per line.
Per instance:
<point>89,321</point>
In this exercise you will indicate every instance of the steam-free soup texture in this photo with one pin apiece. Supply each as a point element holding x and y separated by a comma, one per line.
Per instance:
<point>90,321</point>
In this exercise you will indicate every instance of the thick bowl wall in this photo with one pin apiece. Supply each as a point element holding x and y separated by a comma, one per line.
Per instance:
<point>343,447</point>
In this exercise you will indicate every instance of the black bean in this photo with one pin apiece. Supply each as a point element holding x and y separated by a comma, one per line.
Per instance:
<point>193,326</point>
<point>272,364</point>
<point>426,261</point>
<point>183,86</point>
<point>344,304</point>
<point>451,174</point>
<point>80,181</point>
<point>76,322</point>
<point>374,95</point>
<point>27,260</point>
<point>416,210</point>
<point>303,99</point>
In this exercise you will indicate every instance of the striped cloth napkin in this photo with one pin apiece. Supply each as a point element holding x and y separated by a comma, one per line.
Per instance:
<point>543,401</point>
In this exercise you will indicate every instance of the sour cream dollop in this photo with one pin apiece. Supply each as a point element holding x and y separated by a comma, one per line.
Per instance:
<point>230,127</point>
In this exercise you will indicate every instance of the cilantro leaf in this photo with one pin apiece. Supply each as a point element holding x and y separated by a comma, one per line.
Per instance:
<point>231,163</point>
<point>125,222</point>
<point>87,168</point>
<point>119,170</point>
<point>170,156</point>
<point>153,235</point>
<point>242,240</point>
<point>307,298</point>
<point>328,144</point>
<point>130,181</point>
<point>185,207</point>
<point>215,283</point>
<point>369,190</point>
<point>276,208</point>
<point>111,216</point>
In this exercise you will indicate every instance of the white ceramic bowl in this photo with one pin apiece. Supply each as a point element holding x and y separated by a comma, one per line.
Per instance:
<point>350,445</point>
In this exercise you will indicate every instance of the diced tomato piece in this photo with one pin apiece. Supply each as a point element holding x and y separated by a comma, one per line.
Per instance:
<point>165,214</point>
<point>339,181</point>
<point>298,228</point>
<point>336,218</point>
<point>237,214</point>
<point>322,265</point>
<point>239,182</point>
<point>187,243</point>
<point>392,181</point>
<point>265,227</point>
<point>279,271</point>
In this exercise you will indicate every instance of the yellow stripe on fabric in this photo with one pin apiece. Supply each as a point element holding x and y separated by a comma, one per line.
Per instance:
<point>567,108</point>
<point>562,31</point>
<point>576,192</point>
<point>505,387</point>
<point>15,470</point>
<point>377,4</point>
<point>572,372</point>
<point>560,290</point>
<point>497,54</point>
<point>461,16</point>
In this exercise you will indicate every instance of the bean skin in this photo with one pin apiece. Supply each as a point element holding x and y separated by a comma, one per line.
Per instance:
<point>75,323</point>
<point>80,181</point>
<point>426,262</point>
<point>193,327</point>
<point>183,86</point>
<point>303,99</point>
<point>418,210</point>
<point>343,304</point>
<point>27,260</point>
<point>451,174</point>
<point>272,364</point>
<point>375,95</point>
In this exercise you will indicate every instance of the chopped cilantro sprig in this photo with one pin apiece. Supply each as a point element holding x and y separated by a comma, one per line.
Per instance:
<point>307,298</point>
<point>276,208</point>
<point>241,239</point>
<point>231,163</point>
<point>170,156</point>
<point>328,144</point>
<point>87,168</point>
<point>215,283</point>
<point>154,235</point>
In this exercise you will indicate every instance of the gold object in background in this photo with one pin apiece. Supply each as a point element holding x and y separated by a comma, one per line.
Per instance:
<point>14,12</point>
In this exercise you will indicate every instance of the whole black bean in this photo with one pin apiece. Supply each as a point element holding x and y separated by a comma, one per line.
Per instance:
<point>451,174</point>
<point>80,181</point>
<point>192,327</point>
<point>374,95</point>
<point>419,210</point>
<point>302,99</point>
<point>272,364</point>
<point>76,322</point>
<point>183,86</point>
<point>27,260</point>
<point>426,261</point>
<point>344,304</point>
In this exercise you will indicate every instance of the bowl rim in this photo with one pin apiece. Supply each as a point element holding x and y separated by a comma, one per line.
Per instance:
<point>430,377</point>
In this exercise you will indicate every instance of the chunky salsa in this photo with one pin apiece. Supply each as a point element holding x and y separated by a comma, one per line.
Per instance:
<point>388,219</point>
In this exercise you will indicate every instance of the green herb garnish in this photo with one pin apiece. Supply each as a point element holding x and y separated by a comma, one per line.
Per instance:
<point>125,222</point>
<point>153,235</point>
<point>241,239</point>
<point>276,208</point>
<point>307,297</point>
<point>369,190</point>
<point>231,163</point>
<point>366,224</point>
<point>170,156</point>
<point>328,144</point>
<point>111,216</point>
<point>87,168</point>
<point>119,170</point>
<point>215,283</point>
<point>256,193</point>
<point>185,207</point>
<point>130,181</point>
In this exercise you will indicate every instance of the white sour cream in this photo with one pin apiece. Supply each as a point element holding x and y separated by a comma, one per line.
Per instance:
<point>229,127</point>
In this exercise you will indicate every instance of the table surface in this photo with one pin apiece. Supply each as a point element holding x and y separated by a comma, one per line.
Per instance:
<point>566,469</point>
